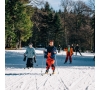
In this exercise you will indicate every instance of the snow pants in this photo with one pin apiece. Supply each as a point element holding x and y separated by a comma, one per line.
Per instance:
<point>29,62</point>
<point>50,63</point>
<point>68,56</point>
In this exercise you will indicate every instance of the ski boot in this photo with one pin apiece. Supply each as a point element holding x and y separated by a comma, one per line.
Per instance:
<point>53,72</point>
<point>46,72</point>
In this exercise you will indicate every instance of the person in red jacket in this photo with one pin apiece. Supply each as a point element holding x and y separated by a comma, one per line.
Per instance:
<point>50,56</point>
<point>69,53</point>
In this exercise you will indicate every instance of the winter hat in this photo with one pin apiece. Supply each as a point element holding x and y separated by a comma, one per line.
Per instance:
<point>68,45</point>
<point>51,40</point>
<point>30,44</point>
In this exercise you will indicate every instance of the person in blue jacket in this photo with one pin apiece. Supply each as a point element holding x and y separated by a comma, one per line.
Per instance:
<point>31,55</point>
<point>50,56</point>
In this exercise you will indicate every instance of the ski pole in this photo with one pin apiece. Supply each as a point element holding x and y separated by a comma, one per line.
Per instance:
<point>42,63</point>
<point>56,64</point>
<point>34,61</point>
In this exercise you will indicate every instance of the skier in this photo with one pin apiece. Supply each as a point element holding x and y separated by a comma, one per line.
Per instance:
<point>59,48</point>
<point>31,55</point>
<point>72,46</point>
<point>50,56</point>
<point>77,49</point>
<point>69,53</point>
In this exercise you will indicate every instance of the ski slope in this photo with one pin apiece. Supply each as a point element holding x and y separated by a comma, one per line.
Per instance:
<point>80,75</point>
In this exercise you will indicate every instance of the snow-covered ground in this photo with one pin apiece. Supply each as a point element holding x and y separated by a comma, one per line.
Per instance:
<point>80,75</point>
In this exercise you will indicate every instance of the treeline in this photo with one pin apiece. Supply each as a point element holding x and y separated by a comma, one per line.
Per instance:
<point>73,23</point>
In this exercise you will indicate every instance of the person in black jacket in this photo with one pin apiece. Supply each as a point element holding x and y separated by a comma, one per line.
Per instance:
<point>50,56</point>
<point>77,49</point>
<point>59,48</point>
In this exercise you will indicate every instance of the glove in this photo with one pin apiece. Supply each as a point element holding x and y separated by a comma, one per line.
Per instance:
<point>24,58</point>
<point>24,54</point>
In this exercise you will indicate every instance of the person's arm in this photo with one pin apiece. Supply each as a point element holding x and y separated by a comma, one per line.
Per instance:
<point>71,51</point>
<point>25,55</point>
<point>45,52</point>
<point>34,53</point>
<point>26,52</point>
<point>65,49</point>
<point>55,50</point>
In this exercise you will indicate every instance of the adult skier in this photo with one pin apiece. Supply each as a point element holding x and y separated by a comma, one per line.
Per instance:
<point>31,56</point>
<point>50,56</point>
<point>69,53</point>
<point>59,48</point>
<point>77,49</point>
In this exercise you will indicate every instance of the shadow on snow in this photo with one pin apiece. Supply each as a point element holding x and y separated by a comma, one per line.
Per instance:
<point>15,60</point>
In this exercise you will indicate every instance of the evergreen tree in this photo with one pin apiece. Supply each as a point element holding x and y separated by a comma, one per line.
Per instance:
<point>57,29</point>
<point>47,25</point>
<point>18,23</point>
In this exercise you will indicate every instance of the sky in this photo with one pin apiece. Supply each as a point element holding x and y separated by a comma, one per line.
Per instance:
<point>55,4</point>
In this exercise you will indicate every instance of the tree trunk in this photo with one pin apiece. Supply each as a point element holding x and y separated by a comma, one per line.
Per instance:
<point>19,43</point>
<point>65,37</point>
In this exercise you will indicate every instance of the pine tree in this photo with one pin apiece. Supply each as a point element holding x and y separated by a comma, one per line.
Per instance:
<point>18,23</point>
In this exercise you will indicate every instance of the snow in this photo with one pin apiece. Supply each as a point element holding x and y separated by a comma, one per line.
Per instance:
<point>80,75</point>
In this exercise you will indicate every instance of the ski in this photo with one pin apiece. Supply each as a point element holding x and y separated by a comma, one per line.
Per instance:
<point>44,74</point>
<point>28,67</point>
<point>50,74</point>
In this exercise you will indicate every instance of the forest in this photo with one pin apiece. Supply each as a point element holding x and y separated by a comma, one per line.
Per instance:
<point>37,22</point>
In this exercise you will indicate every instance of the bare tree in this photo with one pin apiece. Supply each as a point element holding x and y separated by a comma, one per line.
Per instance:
<point>67,5</point>
<point>81,7</point>
<point>91,4</point>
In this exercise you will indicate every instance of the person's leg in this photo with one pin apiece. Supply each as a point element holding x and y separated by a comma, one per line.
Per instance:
<point>28,61</point>
<point>52,65</point>
<point>66,58</point>
<point>31,62</point>
<point>53,68</point>
<point>79,52</point>
<point>70,58</point>
<point>47,66</point>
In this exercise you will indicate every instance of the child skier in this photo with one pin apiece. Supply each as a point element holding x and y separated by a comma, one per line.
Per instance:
<point>30,54</point>
<point>69,53</point>
<point>50,55</point>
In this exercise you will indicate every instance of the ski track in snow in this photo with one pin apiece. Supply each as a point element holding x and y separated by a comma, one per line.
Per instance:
<point>67,79</point>
<point>75,76</point>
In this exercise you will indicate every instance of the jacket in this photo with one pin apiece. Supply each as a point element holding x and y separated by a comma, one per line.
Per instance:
<point>50,49</point>
<point>71,51</point>
<point>30,52</point>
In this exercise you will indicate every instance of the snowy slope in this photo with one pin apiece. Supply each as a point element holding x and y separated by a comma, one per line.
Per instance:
<point>80,75</point>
